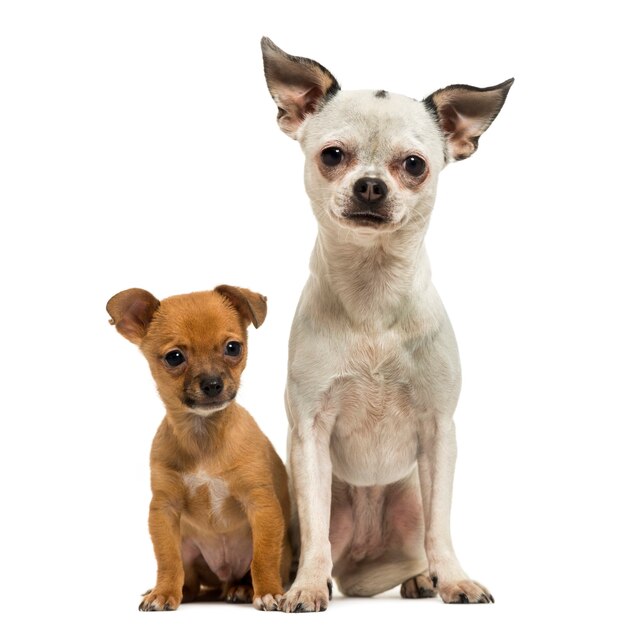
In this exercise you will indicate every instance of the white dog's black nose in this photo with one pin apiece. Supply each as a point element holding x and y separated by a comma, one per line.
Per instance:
<point>370,191</point>
<point>211,386</point>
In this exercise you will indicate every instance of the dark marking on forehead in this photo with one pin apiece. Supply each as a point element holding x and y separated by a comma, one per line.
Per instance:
<point>381,94</point>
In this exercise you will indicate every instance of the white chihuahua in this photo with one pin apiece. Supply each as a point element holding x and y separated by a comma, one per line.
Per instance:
<point>374,375</point>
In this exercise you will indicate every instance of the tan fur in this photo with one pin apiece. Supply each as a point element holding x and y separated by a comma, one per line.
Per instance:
<point>220,498</point>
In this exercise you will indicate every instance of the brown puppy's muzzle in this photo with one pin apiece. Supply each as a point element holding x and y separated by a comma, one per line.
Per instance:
<point>208,390</point>
<point>211,386</point>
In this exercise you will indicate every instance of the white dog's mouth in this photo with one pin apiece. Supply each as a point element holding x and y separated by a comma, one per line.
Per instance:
<point>354,216</point>
<point>366,219</point>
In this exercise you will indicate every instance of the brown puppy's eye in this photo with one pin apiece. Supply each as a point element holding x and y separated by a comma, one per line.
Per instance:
<point>233,348</point>
<point>332,156</point>
<point>174,358</point>
<point>415,165</point>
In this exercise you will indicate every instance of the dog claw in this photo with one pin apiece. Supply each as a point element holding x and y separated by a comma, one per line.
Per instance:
<point>267,602</point>
<point>240,594</point>
<point>160,601</point>
<point>304,601</point>
<point>465,592</point>
<point>419,586</point>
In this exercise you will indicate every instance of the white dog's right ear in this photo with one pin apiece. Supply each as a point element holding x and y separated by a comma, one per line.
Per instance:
<point>298,85</point>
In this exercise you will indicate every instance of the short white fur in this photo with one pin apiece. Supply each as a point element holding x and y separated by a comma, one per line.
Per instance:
<point>374,374</point>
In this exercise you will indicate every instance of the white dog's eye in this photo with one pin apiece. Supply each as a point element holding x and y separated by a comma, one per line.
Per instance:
<point>332,156</point>
<point>415,165</point>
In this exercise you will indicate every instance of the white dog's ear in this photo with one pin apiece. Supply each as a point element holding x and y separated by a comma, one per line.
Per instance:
<point>298,85</point>
<point>464,113</point>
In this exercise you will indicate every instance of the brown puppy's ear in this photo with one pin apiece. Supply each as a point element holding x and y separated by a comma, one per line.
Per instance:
<point>465,112</point>
<point>298,85</point>
<point>251,306</point>
<point>131,312</point>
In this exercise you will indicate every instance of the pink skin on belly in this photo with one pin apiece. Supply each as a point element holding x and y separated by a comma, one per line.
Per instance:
<point>367,522</point>
<point>227,555</point>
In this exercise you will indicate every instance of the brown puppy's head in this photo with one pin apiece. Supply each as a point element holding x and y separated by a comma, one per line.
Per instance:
<point>195,343</point>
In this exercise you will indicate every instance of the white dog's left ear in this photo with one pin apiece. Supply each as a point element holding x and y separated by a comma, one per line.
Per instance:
<point>464,113</point>
<point>298,85</point>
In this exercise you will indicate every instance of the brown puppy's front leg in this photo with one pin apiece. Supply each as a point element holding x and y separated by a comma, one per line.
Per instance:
<point>267,523</point>
<point>164,525</point>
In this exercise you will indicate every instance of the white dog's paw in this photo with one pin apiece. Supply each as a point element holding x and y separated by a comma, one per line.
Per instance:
<point>464,592</point>
<point>307,599</point>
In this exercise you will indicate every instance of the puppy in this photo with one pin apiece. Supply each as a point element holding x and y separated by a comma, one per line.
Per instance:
<point>220,508</point>
<point>374,373</point>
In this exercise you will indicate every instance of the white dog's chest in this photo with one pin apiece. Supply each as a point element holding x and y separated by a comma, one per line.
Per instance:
<point>374,439</point>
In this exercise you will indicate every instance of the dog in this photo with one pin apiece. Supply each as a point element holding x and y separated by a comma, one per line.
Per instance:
<point>374,374</point>
<point>220,509</point>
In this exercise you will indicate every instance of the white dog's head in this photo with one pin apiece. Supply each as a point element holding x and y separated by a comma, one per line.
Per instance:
<point>373,157</point>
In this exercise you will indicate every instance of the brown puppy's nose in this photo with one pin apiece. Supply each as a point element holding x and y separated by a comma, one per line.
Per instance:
<point>211,386</point>
<point>370,190</point>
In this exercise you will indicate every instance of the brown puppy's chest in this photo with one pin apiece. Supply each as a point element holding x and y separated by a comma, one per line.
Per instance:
<point>209,506</point>
<point>214,526</point>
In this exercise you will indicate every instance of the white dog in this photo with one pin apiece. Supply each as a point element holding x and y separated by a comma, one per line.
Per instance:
<point>374,373</point>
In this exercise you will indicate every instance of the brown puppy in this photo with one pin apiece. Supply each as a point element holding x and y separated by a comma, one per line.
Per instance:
<point>220,506</point>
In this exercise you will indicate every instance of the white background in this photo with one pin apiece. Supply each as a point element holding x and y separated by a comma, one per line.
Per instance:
<point>139,147</point>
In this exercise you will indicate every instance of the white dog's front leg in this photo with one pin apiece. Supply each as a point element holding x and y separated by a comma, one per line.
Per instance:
<point>312,478</point>
<point>436,460</point>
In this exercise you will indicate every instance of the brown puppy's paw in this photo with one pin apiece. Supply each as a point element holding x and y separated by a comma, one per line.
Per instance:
<point>160,600</point>
<point>420,586</point>
<point>268,602</point>
<point>465,592</point>
<point>239,594</point>
<point>308,600</point>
